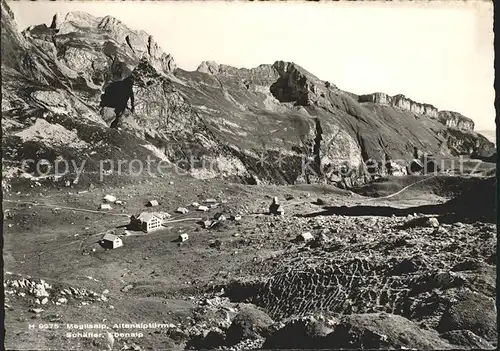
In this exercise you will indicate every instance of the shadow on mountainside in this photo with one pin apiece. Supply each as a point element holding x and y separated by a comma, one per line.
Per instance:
<point>116,95</point>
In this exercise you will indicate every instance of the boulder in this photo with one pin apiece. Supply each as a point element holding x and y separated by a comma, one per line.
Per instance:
<point>382,331</point>
<point>39,290</point>
<point>249,323</point>
<point>127,288</point>
<point>303,333</point>
<point>320,202</point>
<point>432,222</point>
<point>467,339</point>
<point>62,300</point>
<point>208,224</point>
<point>473,311</point>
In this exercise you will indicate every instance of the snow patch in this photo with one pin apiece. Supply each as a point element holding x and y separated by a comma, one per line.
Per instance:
<point>157,152</point>
<point>52,135</point>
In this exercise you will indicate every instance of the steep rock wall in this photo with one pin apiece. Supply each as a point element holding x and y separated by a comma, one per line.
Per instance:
<point>456,120</point>
<point>263,122</point>
<point>448,118</point>
<point>98,50</point>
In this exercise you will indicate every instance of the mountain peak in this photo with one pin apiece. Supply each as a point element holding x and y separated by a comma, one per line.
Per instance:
<point>76,20</point>
<point>210,67</point>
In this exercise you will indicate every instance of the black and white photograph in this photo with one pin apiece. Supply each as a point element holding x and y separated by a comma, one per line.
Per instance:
<point>248,175</point>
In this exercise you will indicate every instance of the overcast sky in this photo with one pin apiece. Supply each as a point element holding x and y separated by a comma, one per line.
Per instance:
<point>439,53</point>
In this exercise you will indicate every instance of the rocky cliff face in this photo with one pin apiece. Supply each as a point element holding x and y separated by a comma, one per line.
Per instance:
<point>297,85</point>
<point>456,120</point>
<point>448,118</point>
<point>273,123</point>
<point>13,43</point>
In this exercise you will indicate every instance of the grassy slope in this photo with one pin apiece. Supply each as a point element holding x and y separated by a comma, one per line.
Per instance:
<point>381,129</point>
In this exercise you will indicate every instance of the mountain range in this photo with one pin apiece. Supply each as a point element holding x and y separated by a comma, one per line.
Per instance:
<point>92,88</point>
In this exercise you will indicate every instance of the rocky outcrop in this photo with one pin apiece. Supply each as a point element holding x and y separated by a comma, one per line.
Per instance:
<point>13,43</point>
<point>466,338</point>
<point>275,123</point>
<point>249,323</point>
<point>402,102</point>
<point>465,142</point>
<point>383,331</point>
<point>301,333</point>
<point>93,51</point>
<point>287,81</point>
<point>474,312</point>
<point>448,118</point>
<point>297,85</point>
<point>42,293</point>
<point>456,120</point>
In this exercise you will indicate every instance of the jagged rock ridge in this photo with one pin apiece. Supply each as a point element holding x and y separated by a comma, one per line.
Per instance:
<point>448,118</point>
<point>401,101</point>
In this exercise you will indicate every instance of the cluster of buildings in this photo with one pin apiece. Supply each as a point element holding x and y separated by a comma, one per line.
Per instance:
<point>145,221</point>
<point>151,221</point>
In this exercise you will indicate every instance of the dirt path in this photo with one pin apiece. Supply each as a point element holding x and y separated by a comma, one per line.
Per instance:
<point>67,208</point>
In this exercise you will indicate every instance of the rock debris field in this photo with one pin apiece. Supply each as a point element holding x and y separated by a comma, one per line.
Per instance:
<point>250,279</point>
